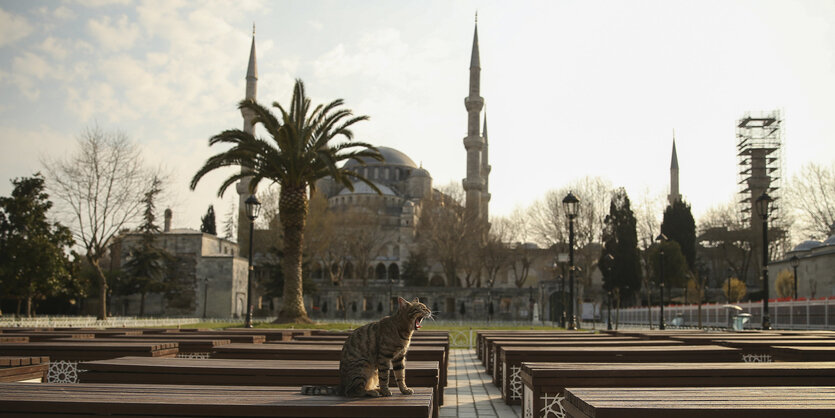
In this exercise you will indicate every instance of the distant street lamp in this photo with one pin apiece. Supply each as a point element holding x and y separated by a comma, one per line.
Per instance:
<point>762,208</point>
<point>571,205</point>
<point>253,207</point>
<point>795,262</point>
<point>661,238</point>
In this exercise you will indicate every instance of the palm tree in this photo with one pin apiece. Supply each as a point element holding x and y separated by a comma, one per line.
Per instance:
<point>300,153</point>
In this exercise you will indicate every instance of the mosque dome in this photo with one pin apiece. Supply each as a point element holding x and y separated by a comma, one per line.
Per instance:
<point>391,157</point>
<point>362,188</point>
<point>807,245</point>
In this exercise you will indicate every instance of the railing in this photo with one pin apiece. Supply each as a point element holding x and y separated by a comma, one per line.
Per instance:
<point>92,322</point>
<point>815,314</point>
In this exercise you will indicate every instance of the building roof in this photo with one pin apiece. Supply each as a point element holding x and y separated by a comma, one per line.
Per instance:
<point>362,188</point>
<point>391,156</point>
<point>807,245</point>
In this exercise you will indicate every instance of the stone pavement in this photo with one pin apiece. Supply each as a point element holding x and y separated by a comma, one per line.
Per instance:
<point>470,391</point>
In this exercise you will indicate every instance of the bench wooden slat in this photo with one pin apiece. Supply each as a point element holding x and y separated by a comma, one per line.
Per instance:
<point>544,381</point>
<point>180,400</point>
<point>718,402</point>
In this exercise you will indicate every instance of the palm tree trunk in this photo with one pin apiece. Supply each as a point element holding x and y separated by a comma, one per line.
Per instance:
<point>292,203</point>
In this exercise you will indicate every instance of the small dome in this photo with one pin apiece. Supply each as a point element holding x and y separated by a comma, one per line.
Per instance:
<point>362,188</point>
<point>391,157</point>
<point>420,172</point>
<point>807,245</point>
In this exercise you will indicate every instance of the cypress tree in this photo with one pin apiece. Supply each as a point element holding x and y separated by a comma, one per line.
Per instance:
<point>620,260</point>
<point>208,224</point>
<point>679,226</point>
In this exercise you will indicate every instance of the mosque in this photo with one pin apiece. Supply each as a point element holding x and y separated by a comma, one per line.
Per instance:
<point>405,186</point>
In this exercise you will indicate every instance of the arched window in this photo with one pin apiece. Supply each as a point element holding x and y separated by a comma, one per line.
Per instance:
<point>394,271</point>
<point>348,273</point>
<point>381,272</point>
<point>437,281</point>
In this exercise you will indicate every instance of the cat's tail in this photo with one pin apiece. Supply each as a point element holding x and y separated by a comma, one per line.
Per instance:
<point>320,390</point>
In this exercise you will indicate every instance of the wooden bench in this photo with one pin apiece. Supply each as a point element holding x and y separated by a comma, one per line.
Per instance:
<point>94,399</point>
<point>17,369</point>
<point>234,337</point>
<point>545,383</point>
<point>715,402</point>
<point>512,358</point>
<point>50,336</point>
<point>498,369</point>
<point>488,340</point>
<point>481,334</point>
<point>13,339</point>
<point>319,352</point>
<point>804,353</point>
<point>187,346</point>
<point>64,356</point>
<point>415,342</point>
<point>492,344</point>
<point>178,371</point>
<point>762,350</point>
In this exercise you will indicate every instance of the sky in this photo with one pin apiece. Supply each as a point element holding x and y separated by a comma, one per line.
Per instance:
<point>572,88</point>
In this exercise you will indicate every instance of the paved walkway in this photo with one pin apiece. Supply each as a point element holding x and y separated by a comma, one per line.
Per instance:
<point>470,391</point>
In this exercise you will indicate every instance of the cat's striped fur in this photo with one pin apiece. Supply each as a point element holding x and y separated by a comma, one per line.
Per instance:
<point>372,350</point>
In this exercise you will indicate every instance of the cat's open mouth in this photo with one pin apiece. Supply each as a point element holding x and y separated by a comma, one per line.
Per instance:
<point>418,322</point>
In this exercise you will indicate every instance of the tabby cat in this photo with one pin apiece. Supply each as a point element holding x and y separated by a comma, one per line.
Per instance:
<point>374,348</point>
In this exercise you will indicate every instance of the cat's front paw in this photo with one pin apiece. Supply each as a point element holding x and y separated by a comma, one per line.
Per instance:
<point>385,392</point>
<point>406,391</point>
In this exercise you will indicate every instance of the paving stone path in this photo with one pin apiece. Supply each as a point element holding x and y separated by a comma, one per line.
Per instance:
<point>470,391</point>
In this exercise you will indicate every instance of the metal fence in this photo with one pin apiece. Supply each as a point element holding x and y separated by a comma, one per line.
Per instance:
<point>784,314</point>
<point>92,322</point>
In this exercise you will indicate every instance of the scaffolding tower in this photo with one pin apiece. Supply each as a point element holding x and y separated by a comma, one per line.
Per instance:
<point>759,152</point>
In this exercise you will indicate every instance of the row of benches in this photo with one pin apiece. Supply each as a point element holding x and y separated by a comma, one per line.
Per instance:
<point>538,370</point>
<point>214,377</point>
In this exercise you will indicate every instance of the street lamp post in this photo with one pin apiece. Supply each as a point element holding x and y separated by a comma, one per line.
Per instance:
<point>661,238</point>
<point>571,205</point>
<point>609,293</point>
<point>762,208</point>
<point>253,207</point>
<point>795,262</point>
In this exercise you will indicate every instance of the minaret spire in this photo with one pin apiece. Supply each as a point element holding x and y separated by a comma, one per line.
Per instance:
<point>243,185</point>
<point>474,183</point>
<point>674,191</point>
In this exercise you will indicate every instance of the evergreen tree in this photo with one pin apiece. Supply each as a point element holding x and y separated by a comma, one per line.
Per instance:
<point>678,225</point>
<point>146,266</point>
<point>34,260</point>
<point>620,259</point>
<point>675,272</point>
<point>208,222</point>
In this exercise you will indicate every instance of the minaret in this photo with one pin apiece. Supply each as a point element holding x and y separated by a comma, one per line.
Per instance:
<point>473,142</point>
<point>485,174</point>
<point>243,185</point>
<point>674,194</point>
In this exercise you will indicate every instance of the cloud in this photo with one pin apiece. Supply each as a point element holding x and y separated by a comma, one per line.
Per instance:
<point>114,35</point>
<point>101,3</point>
<point>12,28</point>
<point>60,48</point>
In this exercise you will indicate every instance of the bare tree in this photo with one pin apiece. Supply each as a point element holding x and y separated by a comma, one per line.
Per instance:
<point>101,187</point>
<point>811,197</point>
<point>446,231</point>
<point>363,236</point>
<point>495,255</point>
<point>550,225</point>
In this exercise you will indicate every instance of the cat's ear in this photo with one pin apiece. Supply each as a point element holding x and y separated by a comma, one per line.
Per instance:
<point>415,300</point>
<point>401,302</point>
